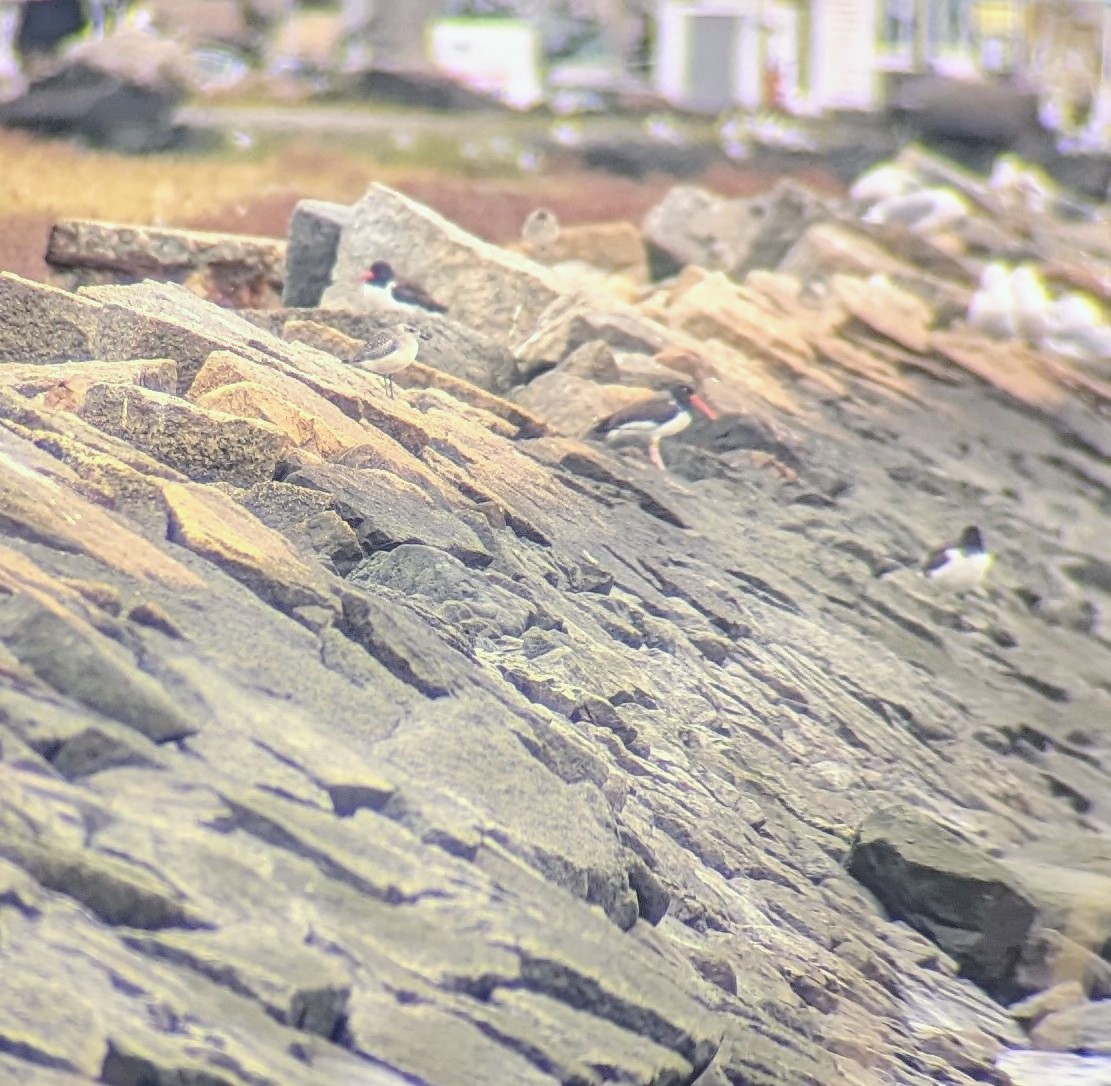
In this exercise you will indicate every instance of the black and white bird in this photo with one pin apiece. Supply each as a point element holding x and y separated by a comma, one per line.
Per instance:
<point>961,566</point>
<point>388,353</point>
<point>651,420</point>
<point>381,286</point>
<point>540,230</point>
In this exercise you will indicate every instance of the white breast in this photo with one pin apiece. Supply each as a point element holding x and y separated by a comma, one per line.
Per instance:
<point>962,572</point>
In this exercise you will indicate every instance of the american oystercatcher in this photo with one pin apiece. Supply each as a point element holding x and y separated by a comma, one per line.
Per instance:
<point>960,566</point>
<point>387,353</point>
<point>381,285</point>
<point>663,415</point>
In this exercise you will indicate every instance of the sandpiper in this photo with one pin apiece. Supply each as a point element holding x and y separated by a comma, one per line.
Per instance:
<point>540,230</point>
<point>387,353</point>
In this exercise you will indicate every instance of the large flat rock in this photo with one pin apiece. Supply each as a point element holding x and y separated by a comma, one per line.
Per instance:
<point>485,287</point>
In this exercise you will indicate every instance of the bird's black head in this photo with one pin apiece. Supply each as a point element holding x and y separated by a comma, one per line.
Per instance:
<point>379,272</point>
<point>972,540</point>
<point>686,397</point>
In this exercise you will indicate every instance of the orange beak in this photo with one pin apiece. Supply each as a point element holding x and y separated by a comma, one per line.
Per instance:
<point>704,407</point>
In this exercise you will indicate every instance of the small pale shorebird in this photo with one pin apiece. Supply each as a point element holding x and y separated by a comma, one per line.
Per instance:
<point>961,566</point>
<point>925,211</point>
<point>1074,328</point>
<point>882,182</point>
<point>1031,300</point>
<point>992,309</point>
<point>540,230</point>
<point>654,418</point>
<point>382,287</point>
<point>387,353</point>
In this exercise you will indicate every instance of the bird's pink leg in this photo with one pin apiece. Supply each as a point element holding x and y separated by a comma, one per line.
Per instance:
<point>654,455</point>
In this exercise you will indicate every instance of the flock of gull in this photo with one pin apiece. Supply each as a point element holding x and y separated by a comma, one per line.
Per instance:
<point>1016,303</point>
<point>1011,302</point>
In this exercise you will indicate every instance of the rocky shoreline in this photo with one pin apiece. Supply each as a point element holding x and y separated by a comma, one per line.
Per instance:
<point>356,739</point>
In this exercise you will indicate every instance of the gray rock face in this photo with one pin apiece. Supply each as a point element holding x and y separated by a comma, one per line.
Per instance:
<point>314,233</point>
<point>236,450</point>
<point>957,896</point>
<point>1085,1029</point>
<point>387,512</point>
<point>493,291</point>
<point>691,225</point>
<point>445,344</point>
<point>435,748</point>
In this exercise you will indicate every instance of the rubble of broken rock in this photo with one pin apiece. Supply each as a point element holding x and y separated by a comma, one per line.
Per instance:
<point>366,740</point>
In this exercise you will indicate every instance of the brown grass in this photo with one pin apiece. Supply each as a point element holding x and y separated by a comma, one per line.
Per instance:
<point>43,181</point>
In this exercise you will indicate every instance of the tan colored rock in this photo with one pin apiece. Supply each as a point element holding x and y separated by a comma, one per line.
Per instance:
<point>612,246</point>
<point>230,383</point>
<point>247,400</point>
<point>63,385</point>
<point>572,405</point>
<point>321,336</point>
<point>382,452</point>
<point>216,527</point>
<point>608,288</point>
<point>708,305</point>
<point>45,324</point>
<point>37,502</point>
<point>510,418</point>
<point>106,480</point>
<point>886,309</point>
<point>45,422</point>
<point>496,292</point>
<point>234,269</point>
<point>576,319</point>
<point>164,320</point>
<point>826,248</point>
<point>1011,367</point>
<point>866,364</point>
<point>1068,993</point>
<point>201,443</point>
<point>1084,1028</point>
<point>593,361</point>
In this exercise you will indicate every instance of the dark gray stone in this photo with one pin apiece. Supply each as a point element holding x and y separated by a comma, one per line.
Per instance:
<point>83,100</point>
<point>386,511</point>
<point>314,233</point>
<point>87,667</point>
<point>953,893</point>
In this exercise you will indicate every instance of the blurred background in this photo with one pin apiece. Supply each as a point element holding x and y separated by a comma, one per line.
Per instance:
<point>220,114</point>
